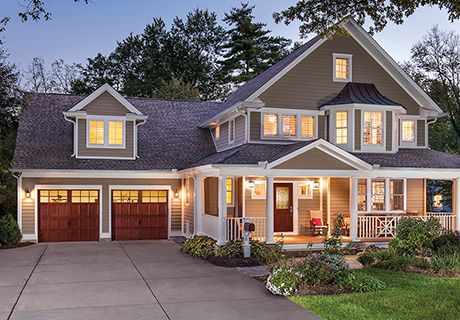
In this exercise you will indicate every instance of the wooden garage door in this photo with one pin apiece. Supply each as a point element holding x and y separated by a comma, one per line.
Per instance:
<point>139,214</point>
<point>68,215</point>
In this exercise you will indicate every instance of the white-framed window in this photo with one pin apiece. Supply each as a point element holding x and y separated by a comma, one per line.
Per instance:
<point>408,130</point>
<point>308,127</point>
<point>382,195</point>
<point>362,194</point>
<point>305,190</point>
<point>289,126</point>
<point>396,194</point>
<point>270,122</point>
<point>105,133</point>
<point>259,191</point>
<point>217,132</point>
<point>341,127</point>
<point>278,125</point>
<point>378,194</point>
<point>342,67</point>
<point>231,131</point>
<point>230,191</point>
<point>373,128</point>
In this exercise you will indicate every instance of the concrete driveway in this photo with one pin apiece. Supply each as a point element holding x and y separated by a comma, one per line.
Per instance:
<point>129,280</point>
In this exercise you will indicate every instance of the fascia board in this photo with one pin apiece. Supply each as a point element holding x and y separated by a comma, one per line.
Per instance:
<point>105,88</point>
<point>144,174</point>
<point>390,66</point>
<point>363,106</point>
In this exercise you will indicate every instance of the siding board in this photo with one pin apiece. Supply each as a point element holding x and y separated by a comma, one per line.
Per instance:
<point>357,129</point>
<point>420,133</point>
<point>105,105</point>
<point>211,193</point>
<point>314,159</point>
<point>415,195</point>
<point>222,142</point>
<point>389,133</point>
<point>340,196</point>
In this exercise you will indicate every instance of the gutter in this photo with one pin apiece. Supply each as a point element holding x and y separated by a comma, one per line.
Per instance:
<point>74,134</point>
<point>137,138</point>
<point>246,124</point>
<point>19,204</point>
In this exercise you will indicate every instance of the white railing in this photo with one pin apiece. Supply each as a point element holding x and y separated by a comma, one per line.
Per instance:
<point>384,227</point>
<point>234,227</point>
<point>209,225</point>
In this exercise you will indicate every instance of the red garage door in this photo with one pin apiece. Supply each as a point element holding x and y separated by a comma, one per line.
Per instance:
<point>68,215</point>
<point>139,215</point>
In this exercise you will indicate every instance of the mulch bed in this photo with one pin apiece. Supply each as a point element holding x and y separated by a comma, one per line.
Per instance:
<point>233,262</point>
<point>19,245</point>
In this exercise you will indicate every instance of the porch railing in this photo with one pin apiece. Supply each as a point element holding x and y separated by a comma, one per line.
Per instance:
<point>234,227</point>
<point>384,227</point>
<point>209,225</point>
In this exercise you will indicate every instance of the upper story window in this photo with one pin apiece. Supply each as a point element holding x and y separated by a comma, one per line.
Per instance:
<point>373,124</point>
<point>217,132</point>
<point>271,125</point>
<point>105,133</point>
<point>342,67</point>
<point>289,126</point>
<point>231,131</point>
<point>308,127</point>
<point>408,130</point>
<point>341,124</point>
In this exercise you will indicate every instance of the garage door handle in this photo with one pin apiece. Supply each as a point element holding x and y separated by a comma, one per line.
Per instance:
<point>68,223</point>
<point>140,221</point>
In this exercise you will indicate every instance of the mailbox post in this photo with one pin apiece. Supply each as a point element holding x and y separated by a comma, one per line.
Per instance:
<point>248,228</point>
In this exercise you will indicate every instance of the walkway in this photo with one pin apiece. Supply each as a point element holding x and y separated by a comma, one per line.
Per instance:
<point>129,280</point>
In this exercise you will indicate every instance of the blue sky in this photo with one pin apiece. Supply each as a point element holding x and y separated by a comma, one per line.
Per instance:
<point>79,31</point>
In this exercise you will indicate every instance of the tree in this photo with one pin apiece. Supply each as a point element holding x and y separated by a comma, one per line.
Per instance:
<point>176,89</point>
<point>249,51</point>
<point>11,98</point>
<point>324,16</point>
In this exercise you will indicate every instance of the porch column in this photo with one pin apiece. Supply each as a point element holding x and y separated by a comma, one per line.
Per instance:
<point>269,211</point>
<point>457,205</point>
<point>222,196</point>
<point>199,204</point>
<point>354,210</point>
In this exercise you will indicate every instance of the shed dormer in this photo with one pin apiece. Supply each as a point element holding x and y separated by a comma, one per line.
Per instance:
<point>105,126</point>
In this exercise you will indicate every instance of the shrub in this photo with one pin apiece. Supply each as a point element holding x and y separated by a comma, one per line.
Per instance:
<point>448,265</point>
<point>413,233</point>
<point>10,234</point>
<point>333,243</point>
<point>200,246</point>
<point>382,255</point>
<point>447,244</point>
<point>321,269</point>
<point>282,282</point>
<point>361,282</point>
<point>232,249</point>
<point>270,258</point>
<point>366,258</point>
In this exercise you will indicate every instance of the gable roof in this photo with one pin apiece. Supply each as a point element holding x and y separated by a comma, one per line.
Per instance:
<point>170,138</point>
<point>105,88</point>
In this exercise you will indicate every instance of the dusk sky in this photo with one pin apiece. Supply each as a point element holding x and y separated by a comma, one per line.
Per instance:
<point>79,31</point>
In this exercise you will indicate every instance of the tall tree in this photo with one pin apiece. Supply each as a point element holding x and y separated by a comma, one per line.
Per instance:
<point>325,16</point>
<point>249,50</point>
<point>176,89</point>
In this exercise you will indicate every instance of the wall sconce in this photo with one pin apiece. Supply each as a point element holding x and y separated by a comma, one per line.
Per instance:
<point>27,192</point>
<point>176,194</point>
<point>316,183</point>
<point>250,184</point>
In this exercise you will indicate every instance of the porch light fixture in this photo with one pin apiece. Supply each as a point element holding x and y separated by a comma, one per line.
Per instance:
<point>316,183</point>
<point>27,193</point>
<point>250,184</point>
<point>176,194</point>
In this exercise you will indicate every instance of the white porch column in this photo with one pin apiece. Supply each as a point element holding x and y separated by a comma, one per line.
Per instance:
<point>270,211</point>
<point>354,210</point>
<point>222,195</point>
<point>457,205</point>
<point>199,204</point>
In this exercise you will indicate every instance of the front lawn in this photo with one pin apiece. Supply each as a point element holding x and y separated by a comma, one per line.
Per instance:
<point>407,296</point>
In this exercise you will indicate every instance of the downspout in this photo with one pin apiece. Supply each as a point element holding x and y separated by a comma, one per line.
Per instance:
<point>137,125</point>
<point>427,124</point>
<point>194,201</point>
<point>74,136</point>
<point>246,129</point>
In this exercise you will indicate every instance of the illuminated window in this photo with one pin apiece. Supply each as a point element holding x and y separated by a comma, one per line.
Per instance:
<point>289,126</point>
<point>341,127</point>
<point>53,196</point>
<point>271,125</point>
<point>96,132</point>
<point>305,190</point>
<point>259,190</point>
<point>217,133</point>
<point>378,194</point>
<point>396,194</point>
<point>408,130</point>
<point>85,196</point>
<point>155,196</point>
<point>373,124</point>
<point>362,194</point>
<point>231,131</point>
<point>116,133</point>
<point>308,127</point>
<point>229,191</point>
<point>187,191</point>
<point>342,67</point>
<point>125,196</point>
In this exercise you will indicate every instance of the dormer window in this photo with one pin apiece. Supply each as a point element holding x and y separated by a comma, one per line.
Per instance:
<point>342,67</point>
<point>96,132</point>
<point>373,124</point>
<point>271,125</point>
<point>408,130</point>
<point>308,127</point>
<point>289,126</point>
<point>106,133</point>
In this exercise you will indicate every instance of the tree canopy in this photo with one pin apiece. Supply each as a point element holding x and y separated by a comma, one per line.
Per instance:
<point>324,16</point>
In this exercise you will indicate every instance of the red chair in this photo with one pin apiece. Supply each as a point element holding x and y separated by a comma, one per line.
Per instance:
<point>317,224</point>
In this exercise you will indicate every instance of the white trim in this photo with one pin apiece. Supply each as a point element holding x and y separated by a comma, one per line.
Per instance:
<point>106,157</point>
<point>105,88</point>
<point>349,57</point>
<point>106,121</point>
<point>373,147</point>
<point>231,126</point>
<point>297,186</point>
<point>407,143</point>
<point>134,174</point>
<point>255,197</point>
<point>140,187</point>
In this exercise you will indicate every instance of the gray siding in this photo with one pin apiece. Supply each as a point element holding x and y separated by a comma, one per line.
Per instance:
<point>389,133</point>
<point>415,195</point>
<point>420,133</point>
<point>340,196</point>
<point>255,126</point>
<point>211,193</point>
<point>222,142</point>
<point>106,105</point>
<point>127,152</point>
<point>358,129</point>
<point>311,80</point>
<point>320,127</point>
<point>29,208</point>
<point>314,159</point>
<point>304,206</point>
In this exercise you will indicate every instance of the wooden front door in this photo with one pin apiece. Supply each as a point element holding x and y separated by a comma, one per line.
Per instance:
<point>283,207</point>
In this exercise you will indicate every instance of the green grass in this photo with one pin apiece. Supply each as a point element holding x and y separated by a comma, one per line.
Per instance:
<point>407,296</point>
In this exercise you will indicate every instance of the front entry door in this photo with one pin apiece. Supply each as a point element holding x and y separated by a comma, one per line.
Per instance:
<point>283,207</point>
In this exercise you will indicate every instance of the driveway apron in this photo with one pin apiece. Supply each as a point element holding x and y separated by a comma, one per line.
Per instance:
<point>129,280</point>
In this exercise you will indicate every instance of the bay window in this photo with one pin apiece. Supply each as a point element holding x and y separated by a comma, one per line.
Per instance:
<point>373,128</point>
<point>408,130</point>
<point>341,125</point>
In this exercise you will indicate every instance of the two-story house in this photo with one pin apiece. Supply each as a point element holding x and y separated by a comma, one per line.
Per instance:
<point>336,127</point>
